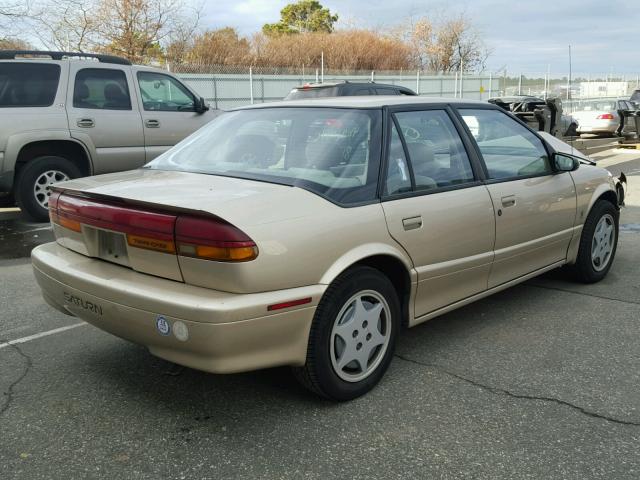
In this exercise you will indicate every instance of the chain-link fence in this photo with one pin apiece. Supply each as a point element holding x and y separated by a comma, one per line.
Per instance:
<point>226,87</point>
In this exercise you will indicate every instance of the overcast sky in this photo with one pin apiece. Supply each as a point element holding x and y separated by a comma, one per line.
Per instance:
<point>523,35</point>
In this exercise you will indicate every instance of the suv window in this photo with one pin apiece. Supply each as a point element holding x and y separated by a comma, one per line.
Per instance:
<point>164,93</point>
<point>509,149</point>
<point>386,91</point>
<point>102,89</point>
<point>436,153</point>
<point>28,84</point>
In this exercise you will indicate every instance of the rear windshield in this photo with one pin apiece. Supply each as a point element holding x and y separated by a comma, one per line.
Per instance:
<point>312,92</point>
<point>28,84</point>
<point>332,152</point>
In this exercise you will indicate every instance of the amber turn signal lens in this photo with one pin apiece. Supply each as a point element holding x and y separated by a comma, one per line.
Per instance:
<point>148,243</point>
<point>221,254</point>
<point>66,222</point>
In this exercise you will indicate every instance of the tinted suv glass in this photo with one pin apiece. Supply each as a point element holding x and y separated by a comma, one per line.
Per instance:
<point>101,88</point>
<point>509,149</point>
<point>28,85</point>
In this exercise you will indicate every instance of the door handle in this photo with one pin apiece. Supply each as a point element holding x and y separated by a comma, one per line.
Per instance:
<point>508,201</point>
<point>412,223</point>
<point>86,123</point>
<point>152,124</point>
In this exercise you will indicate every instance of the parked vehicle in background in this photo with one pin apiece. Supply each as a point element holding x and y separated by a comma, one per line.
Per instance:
<point>346,88</point>
<point>540,114</point>
<point>67,115</point>
<point>603,117</point>
<point>635,99</point>
<point>308,233</point>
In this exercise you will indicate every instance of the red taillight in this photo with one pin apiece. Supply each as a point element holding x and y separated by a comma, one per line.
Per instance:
<point>605,116</point>
<point>209,238</point>
<point>213,239</point>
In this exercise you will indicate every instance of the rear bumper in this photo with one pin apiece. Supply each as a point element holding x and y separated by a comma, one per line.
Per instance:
<point>208,330</point>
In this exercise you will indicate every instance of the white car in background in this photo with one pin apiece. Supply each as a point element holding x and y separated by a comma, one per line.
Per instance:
<point>603,117</point>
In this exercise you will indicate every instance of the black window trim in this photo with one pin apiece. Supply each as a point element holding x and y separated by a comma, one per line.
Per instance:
<point>478,172</point>
<point>487,180</point>
<point>193,95</point>
<point>55,93</point>
<point>126,83</point>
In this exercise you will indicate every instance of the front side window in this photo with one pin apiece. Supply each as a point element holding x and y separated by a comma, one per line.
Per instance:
<point>436,153</point>
<point>164,93</point>
<point>28,84</point>
<point>330,151</point>
<point>101,89</point>
<point>509,149</point>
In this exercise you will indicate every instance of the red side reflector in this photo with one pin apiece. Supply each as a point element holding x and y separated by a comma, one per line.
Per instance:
<point>292,303</point>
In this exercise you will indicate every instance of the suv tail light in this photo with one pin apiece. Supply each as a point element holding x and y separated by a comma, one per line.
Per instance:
<point>605,116</point>
<point>209,238</point>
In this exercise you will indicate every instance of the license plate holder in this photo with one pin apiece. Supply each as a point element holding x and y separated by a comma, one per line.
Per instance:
<point>112,247</point>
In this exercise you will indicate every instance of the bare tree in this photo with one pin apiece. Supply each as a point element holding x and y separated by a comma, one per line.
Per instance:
<point>136,29</point>
<point>11,14</point>
<point>447,45</point>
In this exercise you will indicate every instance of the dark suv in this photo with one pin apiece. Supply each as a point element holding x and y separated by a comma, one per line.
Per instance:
<point>346,89</point>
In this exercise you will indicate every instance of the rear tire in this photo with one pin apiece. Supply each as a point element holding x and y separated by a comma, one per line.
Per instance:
<point>352,337</point>
<point>598,243</point>
<point>32,188</point>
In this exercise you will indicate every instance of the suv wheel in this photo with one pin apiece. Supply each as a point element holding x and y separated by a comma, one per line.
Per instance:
<point>352,336</point>
<point>33,186</point>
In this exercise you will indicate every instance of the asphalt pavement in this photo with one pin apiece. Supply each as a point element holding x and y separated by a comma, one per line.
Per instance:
<point>540,381</point>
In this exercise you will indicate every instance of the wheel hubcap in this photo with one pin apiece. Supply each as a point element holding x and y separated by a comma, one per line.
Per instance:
<point>360,336</point>
<point>42,187</point>
<point>603,241</point>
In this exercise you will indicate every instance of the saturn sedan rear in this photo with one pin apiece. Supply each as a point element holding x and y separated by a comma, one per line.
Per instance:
<point>309,233</point>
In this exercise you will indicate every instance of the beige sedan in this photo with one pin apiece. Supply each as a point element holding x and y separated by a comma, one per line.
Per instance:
<point>309,233</point>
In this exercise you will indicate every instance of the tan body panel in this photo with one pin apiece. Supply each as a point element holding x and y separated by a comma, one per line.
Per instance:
<point>450,263</point>
<point>315,228</point>
<point>536,224</point>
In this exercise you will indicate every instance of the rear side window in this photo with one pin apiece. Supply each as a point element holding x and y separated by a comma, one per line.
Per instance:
<point>28,84</point>
<point>386,91</point>
<point>436,153</point>
<point>509,149</point>
<point>102,89</point>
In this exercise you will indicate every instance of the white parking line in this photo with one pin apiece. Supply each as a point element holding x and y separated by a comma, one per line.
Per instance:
<point>40,335</point>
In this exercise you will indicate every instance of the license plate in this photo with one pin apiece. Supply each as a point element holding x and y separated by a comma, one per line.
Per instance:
<point>113,247</point>
<point>586,129</point>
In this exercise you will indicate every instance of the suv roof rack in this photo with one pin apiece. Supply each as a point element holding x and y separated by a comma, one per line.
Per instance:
<point>12,54</point>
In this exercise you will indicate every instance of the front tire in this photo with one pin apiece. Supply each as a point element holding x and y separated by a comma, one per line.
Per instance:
<point>353,335</point>
<point>598,243</point>
<point>33,185</point>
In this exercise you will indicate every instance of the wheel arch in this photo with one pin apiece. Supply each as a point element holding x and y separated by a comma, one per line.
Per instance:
<point>388,261</point>
<point>70,149</point>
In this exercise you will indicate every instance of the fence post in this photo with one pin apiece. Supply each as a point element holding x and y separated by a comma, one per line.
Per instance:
<point>215,92</point>
<point>490,83</point>
<point>322,67</point>
<point>251,84</point>
<point>316,75</point>
<point>520,84</point>
<point>455,86</point>
<point>418,82</point>
<point>461,81</point>
<point>372,75</point>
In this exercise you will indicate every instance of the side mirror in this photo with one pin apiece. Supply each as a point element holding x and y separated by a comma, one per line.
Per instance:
<point>565,163</point>
<point>201,105</point>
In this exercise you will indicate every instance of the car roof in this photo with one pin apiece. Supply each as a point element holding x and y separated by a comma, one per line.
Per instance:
<point>368,101</point>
